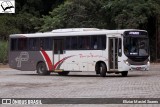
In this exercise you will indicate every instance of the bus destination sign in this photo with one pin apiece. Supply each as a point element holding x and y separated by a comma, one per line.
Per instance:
<point>135,33</point>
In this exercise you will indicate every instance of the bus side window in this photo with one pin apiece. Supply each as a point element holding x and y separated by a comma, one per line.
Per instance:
<point>41,43</point>
<point>22,44</point>
<point>103,42</point>
<point>13,44</point>
<point>33,44</point>
<point>83,42</point>
<point>80,42</point>
<point>48,43</point>
<point>58,46</point>
<point>94,44</point>
<point>68,43</point>
<point>86,42</point>
<point>73,43</point>
<point>98,42</point>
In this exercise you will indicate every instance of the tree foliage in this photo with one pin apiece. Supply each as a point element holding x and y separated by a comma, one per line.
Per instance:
<point>102,14</point>
<point>7,26</point>
<point>131,14</point>
<point>27,16</point>
<point>75,13</point>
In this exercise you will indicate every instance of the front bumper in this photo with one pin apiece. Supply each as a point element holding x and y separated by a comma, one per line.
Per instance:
<point>139,67</point>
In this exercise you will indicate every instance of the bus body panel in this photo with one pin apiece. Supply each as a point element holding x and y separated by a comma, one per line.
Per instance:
<point>70,61</point>
<point>25,60</point>
<point>82,60</point>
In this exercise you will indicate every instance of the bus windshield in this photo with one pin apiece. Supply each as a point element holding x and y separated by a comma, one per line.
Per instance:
<point>136,46</point>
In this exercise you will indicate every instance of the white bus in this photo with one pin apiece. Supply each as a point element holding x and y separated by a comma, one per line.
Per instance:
<point>80,49</point>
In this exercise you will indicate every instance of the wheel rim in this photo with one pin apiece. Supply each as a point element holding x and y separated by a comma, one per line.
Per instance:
<point>41,68</point>
<point>101,69</point>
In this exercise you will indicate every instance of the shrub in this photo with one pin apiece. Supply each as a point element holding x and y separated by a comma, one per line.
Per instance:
<point>3,52</point>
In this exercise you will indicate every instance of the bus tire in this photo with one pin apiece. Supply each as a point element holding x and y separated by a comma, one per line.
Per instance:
<point>64,73</point>
<point>103,70</point>
<point>42,69</point>
<point>124,73</point>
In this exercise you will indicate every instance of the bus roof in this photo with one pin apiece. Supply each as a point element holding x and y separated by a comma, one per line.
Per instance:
<point>73,32</point>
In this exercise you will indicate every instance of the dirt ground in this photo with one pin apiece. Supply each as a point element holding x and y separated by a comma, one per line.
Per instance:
<point>4,66</point>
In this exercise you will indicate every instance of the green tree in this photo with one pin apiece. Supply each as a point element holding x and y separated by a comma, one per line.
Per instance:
<point>20,23</point>
<point>27,16</point>
<point>75,13</point>
<point>102,14</point>
<point>36,7</point>
<point>131,14</point>
<point>26,22</point>
<point>7,26</point>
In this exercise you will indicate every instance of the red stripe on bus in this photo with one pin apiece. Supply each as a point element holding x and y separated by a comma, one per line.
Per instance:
<point>59,62</point>
<point>55,66</point>
<point>48,60</point>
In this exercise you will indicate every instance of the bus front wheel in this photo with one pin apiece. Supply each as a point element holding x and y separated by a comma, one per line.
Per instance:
<point>42,69</point>
<point>124,73</point>
<point>103,70</point>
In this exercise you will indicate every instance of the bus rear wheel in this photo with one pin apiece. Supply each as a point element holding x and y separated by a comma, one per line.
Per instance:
<point>64,73</point>
<point>103,70</point>
<point>42,69</point>
<point>124,73</point>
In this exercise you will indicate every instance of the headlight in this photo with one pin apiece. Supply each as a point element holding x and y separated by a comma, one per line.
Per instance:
<point>126,62</point>
<point>148,63</point>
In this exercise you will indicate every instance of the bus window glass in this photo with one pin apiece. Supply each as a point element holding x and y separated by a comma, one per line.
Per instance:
<point>98,42</point>
<point>22,44</point>
<point>101,42</point>
<point>13,44</point>
<point>136,46</point>
<point>94,44</point>
<point>33,44</point>
<point>83,42</point>
<point>73,43</point>
<point>42,44</point>
<point>58,46</point>
<point>68,43</point>
<point>46,43</point>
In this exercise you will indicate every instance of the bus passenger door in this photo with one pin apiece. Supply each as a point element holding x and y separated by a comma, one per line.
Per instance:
<point>58,47</point>
<point>114,53</point>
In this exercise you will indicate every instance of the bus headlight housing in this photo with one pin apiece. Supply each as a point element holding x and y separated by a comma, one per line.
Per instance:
<point>126,62</point>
